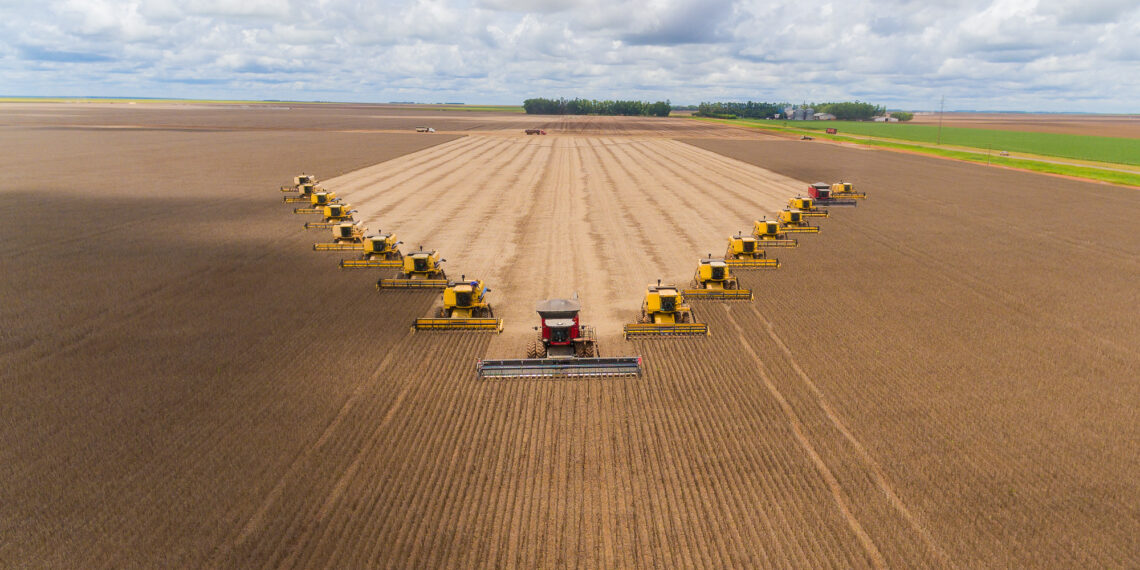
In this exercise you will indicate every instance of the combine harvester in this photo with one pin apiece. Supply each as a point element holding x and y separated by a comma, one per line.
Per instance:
<point>769,234</point>
<point>299,182</point>
<point>378,250</point>
<point>562,348</point>
<point>420,269</point>
<point>742,253</point>
<point>305,184</point>
<point>317,202</point>
<point>846,190</point>
<point>713,281</point>
<point>346,236</point>
<point>465,308</point>
<point>821,193</point>
<point>334,215</point>
<point>664,313</point>
<point>793,222</point>
<point>807,207</point>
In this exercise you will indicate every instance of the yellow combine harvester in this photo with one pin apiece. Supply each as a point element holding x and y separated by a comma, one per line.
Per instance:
<point>793,222</point>
<point>465,308</point>
<point>743,253</point>
<point>846,190</point>
<point>664,313</point>
<point>306,194</point>
<point>378,251</point>
<point>770,234</point>
<point>346,236</point>
<point>317,202</point>
<point>334,214</point>
<point>299,181</point>
<point>563,347</point>
<point>807,207</point>
<point>420,270</point>
<point>714,281</point>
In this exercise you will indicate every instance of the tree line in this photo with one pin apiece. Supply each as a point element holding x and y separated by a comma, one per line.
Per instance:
<point>844,111</point>
<point>562,106</point>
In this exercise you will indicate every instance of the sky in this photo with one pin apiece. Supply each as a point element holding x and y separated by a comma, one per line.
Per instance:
<point>1013,55</point>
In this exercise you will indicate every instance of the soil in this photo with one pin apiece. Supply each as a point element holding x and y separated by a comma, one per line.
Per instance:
<point>943,377</point>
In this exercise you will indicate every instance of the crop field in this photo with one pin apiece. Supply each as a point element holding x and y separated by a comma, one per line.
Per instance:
<point>944,377</point>
<point>1119,150</point>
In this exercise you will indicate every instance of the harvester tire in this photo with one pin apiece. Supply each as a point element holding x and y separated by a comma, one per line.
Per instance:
<point>644,318</point>
<point>589,350</point>
<point>686,317</point>
<point>531,349</point>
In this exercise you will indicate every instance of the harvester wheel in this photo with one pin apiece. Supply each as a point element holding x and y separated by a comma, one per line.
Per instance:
<point>440,314</point>
<point>539,347</point>
<point>730,284</point>
<point>643,319</point>
<point>686,317</point>
<point>531,349</point>
<point>589,350</point>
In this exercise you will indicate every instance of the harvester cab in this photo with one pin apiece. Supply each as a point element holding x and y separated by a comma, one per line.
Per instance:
<point>378,250</point>
<point>770,234</point>
<point>465,308</point>
<point>807,207</point>
<point>420,269</point>
<point>845,190</point>
<point>821,193</point>
<point>561,347</point>
<point>347,236</point>
<point>744,253</point>
<point>333,214</point>
<point>713,280</point>
<point>664,313</point>
<point>793,221</point>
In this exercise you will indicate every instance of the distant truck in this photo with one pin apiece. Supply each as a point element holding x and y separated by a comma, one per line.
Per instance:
<point>425,130</point>
<point>535,132</point>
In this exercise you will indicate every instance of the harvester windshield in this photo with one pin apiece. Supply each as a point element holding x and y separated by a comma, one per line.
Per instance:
<point>747,246</point>
<point>717,273</point>
<point>668,303</point>
<point>463,298</point>
<point>420,263</point>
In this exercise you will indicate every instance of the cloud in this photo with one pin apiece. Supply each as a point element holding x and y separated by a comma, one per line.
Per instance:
<point>1030,54</point>
<point>35,53</point>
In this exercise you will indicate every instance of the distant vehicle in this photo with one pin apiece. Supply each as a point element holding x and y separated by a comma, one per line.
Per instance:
<point>425,130</point>
<point>832,131</point>
<point>806,138</point>
<point>535,132</point>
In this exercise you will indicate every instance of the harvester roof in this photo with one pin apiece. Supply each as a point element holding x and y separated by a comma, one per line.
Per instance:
<point>556,309</point>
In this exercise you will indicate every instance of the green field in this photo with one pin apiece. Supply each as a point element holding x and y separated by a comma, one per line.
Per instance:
<point>1081,147</point>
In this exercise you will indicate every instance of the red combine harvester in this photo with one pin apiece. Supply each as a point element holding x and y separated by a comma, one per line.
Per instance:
<point>821,193</point>
<point>562,348</point>
<point>535,132</point>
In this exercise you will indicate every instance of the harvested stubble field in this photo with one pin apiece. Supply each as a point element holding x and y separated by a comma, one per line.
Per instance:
<point>944,377</point>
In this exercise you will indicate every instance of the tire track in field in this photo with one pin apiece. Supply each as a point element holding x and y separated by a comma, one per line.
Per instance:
<point>838,495</point>
<point>871,463</point>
